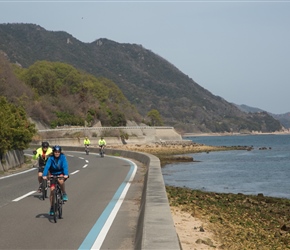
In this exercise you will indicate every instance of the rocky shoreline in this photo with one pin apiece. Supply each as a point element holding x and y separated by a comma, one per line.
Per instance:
<point>227,221</point>
<point>237,221</point>
<point>176,147</point>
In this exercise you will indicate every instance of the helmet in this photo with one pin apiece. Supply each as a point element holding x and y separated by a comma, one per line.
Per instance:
<point>45,144</point>
<point>56,148</point>
<point>86,137</point>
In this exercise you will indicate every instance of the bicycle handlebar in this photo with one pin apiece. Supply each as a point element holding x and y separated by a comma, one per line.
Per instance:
<point>57,176</point>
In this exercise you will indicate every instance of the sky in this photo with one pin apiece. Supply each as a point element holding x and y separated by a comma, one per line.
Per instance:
<point>238,50</point>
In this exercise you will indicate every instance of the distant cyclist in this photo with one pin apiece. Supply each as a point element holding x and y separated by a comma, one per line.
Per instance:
<point>102,144</point>
<point>87,143</point>
<point>41,154</point>
<point>56,165</point>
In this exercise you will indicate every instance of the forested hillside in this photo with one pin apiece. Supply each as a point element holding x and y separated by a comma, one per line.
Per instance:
<point>16,131</point>
<point>57,94</point>
<point>146,79</point>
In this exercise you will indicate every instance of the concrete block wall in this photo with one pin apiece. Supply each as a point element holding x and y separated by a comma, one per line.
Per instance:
<point>12,159</point>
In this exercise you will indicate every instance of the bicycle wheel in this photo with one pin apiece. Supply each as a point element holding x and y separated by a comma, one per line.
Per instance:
<point>55,205</point>
<point>44,189</point>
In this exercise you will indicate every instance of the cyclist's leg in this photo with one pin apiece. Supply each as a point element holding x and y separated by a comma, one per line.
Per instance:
<point>62,187</point>
<point>40,171</point>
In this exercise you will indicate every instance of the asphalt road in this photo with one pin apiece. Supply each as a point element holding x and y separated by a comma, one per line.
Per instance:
<point>101,213</point>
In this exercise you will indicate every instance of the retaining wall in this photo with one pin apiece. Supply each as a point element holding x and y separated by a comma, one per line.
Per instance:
<point>137,134</point>
<point>12,159</point>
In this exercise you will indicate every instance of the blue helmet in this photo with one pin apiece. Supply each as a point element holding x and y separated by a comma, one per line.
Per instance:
<point>56,148</point>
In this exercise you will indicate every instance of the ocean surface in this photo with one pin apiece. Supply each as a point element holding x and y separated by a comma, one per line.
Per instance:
<point>238,171</point>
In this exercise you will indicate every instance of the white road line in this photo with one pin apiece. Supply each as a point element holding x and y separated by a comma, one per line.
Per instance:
<point>8,176</point>
<point>23,196</point>
<point>87,161</point>
<point>81,158</point>
<point>70,155</point>
<point>74,172</point>
<point>99,231</point>
<point>85,166</point>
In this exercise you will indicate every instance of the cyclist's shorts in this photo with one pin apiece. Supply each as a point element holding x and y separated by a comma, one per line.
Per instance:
<point>53,182</point>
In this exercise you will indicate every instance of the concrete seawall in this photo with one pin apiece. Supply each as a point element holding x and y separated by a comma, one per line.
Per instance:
<point>136,135</point>
<point>155,228</point>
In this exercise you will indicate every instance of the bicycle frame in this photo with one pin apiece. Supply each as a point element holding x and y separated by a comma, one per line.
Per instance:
<point>44,189</point>
<point>57,201</point>
<point>87,149</point>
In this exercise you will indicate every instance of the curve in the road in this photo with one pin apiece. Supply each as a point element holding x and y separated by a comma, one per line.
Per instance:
<point>96,236</point>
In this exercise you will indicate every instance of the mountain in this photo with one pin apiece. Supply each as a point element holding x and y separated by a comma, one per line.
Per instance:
<point>248,109</point>
<point>284,119</point>
<point>147,80</point>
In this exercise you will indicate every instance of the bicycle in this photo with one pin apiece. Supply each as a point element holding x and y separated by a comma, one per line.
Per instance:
<point>57,201</point>
<point>102,152</point>
<point>44,187</point>
<point>87,149</point>
<point>44,184</point>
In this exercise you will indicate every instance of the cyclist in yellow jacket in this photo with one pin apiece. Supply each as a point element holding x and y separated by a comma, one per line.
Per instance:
<point>87,144</point>
<point>87,141</point>
<point>102,144</point>
<point>41,154</point>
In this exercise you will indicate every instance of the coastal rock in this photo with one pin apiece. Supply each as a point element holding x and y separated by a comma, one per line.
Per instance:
<point>285,228</point>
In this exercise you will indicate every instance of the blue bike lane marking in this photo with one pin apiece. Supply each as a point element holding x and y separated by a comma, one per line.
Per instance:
<point>97,234</point>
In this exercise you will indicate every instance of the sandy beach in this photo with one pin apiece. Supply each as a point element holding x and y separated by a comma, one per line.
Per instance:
<point>193,232</point>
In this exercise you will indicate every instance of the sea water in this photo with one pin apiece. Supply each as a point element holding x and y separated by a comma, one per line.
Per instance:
<point>257,171</point>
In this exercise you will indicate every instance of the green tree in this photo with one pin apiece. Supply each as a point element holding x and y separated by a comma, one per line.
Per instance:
<point>155,118</point>
<point>73,93</point>
<point>16,131</point>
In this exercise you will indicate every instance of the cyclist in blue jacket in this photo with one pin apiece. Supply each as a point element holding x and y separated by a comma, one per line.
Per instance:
<point>56,165</point>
